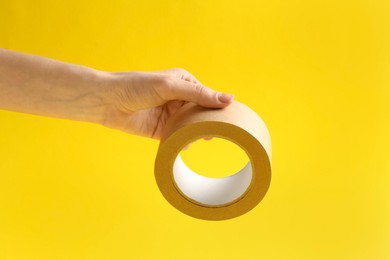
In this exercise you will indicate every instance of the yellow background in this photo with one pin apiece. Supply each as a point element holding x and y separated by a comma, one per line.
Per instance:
<point>318,72</point>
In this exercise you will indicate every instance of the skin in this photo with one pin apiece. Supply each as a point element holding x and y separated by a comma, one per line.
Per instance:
<point>138,103</point>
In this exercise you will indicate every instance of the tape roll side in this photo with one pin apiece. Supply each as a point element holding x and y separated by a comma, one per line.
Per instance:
<point>240,125</point>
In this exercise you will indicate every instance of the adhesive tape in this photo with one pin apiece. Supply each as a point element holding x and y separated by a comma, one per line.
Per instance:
<point>214,198</point>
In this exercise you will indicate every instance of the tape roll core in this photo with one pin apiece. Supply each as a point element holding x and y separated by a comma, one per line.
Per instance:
<point>211,192</point>
<point>214,198</point>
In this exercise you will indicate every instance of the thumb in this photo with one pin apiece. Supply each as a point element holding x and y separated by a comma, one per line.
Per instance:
<point>197,93</point>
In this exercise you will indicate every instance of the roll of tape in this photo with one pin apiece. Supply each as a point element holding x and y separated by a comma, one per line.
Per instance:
<point>214,198</point>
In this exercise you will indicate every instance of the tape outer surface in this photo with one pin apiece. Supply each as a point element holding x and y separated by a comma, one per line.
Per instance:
<point>236,123</point>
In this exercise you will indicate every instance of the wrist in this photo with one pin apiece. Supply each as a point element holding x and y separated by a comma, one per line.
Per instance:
<point>94,99</point>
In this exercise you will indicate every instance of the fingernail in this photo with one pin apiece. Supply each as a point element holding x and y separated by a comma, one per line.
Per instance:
<point>186,147</point>
<point>225,98</point>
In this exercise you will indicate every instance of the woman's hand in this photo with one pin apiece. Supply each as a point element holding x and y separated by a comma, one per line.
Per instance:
<point>140,103</point>
<point>135,102</point>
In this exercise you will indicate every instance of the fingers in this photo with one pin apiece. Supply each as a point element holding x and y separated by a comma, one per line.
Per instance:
<point>185,148</point>
<point>177,89</point>
<point>184,86</point>
<point>180,73</point>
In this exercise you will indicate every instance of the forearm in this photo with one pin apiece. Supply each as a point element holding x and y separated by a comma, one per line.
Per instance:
<point>42,86</point>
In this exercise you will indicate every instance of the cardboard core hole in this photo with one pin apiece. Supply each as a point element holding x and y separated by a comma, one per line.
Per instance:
<point>214,158</point>
<point>212,191</point>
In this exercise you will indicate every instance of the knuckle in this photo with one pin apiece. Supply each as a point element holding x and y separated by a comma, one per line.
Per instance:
<point>180,70</point>
<point>200,89</point>
<point>182,73</point>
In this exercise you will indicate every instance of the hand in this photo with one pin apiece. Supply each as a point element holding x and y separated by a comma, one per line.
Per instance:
<point>135,102</point>
<point>140,103</point>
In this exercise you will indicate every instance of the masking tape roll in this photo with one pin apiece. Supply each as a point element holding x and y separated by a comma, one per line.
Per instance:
<point>214,198</point>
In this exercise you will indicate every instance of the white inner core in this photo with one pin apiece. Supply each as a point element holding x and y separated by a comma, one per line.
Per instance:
<point>211,191</point>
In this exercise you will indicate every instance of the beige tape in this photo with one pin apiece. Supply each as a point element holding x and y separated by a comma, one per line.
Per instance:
<point>214,198</point>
